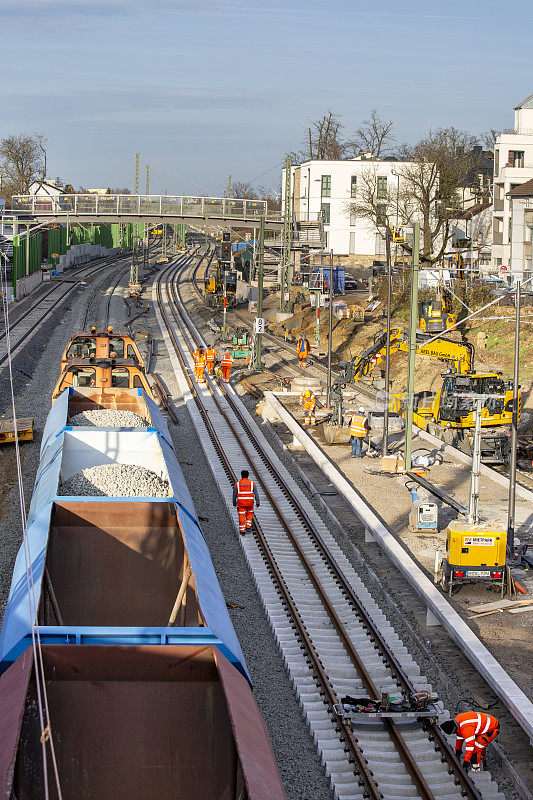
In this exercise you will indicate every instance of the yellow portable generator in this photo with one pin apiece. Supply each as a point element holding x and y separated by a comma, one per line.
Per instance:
<point>474,552</point>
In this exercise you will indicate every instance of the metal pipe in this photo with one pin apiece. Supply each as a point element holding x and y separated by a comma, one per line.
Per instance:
<point>473,503</point>
<point>514,430</point>
<point>385,445</point>
<point>412,346</point>
<point>330,328</point>
<point>181,594</point>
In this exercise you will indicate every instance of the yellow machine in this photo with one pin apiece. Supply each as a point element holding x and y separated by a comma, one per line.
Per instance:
<point>102,373</point>
<point>101,344</point>
<point>435,315</point>
<point>449,413</point>
<point>24,430</point>
<point>473,552</point>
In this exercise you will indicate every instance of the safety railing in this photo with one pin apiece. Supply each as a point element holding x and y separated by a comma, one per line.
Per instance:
<point>142,205</point>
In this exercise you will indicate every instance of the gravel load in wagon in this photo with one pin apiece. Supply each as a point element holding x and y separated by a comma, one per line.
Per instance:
<point>115,480</point>
<point>107,418</point>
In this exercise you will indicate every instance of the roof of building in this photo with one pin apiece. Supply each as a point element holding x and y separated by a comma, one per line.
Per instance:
<point>527,103</point>
<point>47,185</point>
<point>524,190</point>
<point>473,211</point>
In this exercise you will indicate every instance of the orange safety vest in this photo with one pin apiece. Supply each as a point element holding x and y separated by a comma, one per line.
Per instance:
<point>200,360</point>
<point>227,359</point>
<point>210,354</point>
<point>308,402</point>
<point>357,427</point>
<point>477,730</point>
<point>303,346</point>
<point>245,492</point>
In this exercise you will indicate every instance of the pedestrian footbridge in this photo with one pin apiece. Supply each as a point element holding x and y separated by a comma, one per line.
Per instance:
<point>225,211</point>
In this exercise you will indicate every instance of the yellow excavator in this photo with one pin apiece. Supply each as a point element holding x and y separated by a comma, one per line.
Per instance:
<point>435,315</point>
<point>449,412</point>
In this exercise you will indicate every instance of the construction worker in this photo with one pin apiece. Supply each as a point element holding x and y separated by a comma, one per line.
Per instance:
<point>244,494</point>
<point>303,348</point>
<point>210,355</point>
<point>308,401</point>
<point>475,730</point>
<point>199,365</point>
<point>226,364</point>
<point>359,429</point>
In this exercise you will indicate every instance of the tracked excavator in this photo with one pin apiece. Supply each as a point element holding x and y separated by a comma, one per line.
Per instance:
<point>435,315</point>
<point>449,412</point>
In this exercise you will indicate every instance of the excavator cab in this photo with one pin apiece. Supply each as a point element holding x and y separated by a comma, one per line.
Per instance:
<point>435,315</point>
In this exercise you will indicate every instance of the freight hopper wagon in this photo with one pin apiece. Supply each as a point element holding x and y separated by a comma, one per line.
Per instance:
<point>131,723</point>
<point>101,344</point>
<point>117,550</point>
<point>146,680</point>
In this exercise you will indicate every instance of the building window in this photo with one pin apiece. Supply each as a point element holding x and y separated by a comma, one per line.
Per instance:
<point>352,242</point>
<point>381,215</point>
<point>516,158</point>
<point>325,208</point>
<point>353,186</point>
<point>326,186</point>
<point>382,187</point>
<point>353,217</point>
<point>496,163</point>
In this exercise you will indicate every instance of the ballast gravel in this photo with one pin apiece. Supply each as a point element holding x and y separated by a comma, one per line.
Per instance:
<point>107,418</point>
<point>116,480</point>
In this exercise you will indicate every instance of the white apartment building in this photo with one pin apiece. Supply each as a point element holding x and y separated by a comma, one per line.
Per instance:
<point>513,166</point>
<point>521,258</point>
<point>331,187</point>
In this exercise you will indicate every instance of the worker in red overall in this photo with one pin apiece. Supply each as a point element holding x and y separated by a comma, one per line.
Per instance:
<point>244,495</point>
<point>210,355</point>
<point>303,348</point>
<point>226,364</point>
<point>475,730</point>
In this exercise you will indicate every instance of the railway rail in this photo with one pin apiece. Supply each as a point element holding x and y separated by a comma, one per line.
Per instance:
<point>335,640</point>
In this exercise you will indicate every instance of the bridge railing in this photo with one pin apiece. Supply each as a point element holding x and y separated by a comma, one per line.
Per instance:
<point>135,205</point>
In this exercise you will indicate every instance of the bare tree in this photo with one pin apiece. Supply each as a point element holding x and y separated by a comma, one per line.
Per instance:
<point>323,140</point>
<point>488,138</point>
<point>118,190</point>
<point>243,190</point>
<point>22,160</point>
<point>374,135</point>
<point>429,176</point>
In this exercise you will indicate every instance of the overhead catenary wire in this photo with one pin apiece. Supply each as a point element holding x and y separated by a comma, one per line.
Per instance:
<point>42,697</point>
<point>106,182</point>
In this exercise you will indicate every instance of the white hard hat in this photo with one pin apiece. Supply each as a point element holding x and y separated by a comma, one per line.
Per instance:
<point>361,409</point>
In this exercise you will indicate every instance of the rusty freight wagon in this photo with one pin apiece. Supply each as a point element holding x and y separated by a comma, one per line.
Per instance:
<point>130,723</point>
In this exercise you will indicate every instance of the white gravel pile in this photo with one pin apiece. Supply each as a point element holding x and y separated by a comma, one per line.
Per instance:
<point>116,480</point>
<point>107,418</point>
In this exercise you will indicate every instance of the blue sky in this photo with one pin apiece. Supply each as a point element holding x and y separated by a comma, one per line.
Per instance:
<point>203,88</point>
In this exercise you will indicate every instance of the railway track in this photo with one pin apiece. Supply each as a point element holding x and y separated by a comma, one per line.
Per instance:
<point>45,305</point>
<point>334,638</point>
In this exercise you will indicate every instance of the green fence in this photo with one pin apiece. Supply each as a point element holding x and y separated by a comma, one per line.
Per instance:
<point>21,266</point>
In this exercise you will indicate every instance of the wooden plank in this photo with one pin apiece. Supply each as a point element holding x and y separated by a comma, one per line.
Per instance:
<point>520,610</point>
<point>498,605</point>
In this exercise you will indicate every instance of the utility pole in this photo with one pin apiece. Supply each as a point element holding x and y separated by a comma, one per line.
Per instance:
<point>229,185</point>
<point>259,321</point>
<point>147,179</point>
<point>473,503</point>
<point>412,346</point>
<point>330,329</point>
<point>285,277</point>
<point>385,445</point>
<point>137,183</point>
<point>27,270</point>
<point>205,231</point>
<point>514,429</point>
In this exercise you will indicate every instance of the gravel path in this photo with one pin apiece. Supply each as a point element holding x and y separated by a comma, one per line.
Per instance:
<point>107,418</point>
<point>115,480</point>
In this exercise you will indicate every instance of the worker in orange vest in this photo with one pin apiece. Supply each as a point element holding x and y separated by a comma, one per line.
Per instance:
<point>199,365</point>
<point>475,730</point>
<point>210,355</point>
<point>359,429</point>
<point>308,401</point>
<point>226,364</point>
<point>303,348</point>
<point>244,495</point>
